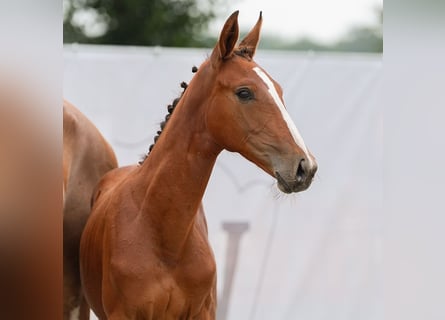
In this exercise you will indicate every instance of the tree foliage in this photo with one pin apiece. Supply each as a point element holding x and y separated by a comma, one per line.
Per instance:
<point>182,23</point>
<point>136,22</point>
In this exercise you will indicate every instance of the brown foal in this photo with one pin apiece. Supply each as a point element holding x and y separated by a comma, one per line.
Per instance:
<point>145,253</point>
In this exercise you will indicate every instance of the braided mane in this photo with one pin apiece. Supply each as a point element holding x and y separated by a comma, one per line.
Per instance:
<point>170,109</point>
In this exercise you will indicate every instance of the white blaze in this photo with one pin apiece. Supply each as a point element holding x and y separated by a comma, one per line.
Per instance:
<point>290,124</point>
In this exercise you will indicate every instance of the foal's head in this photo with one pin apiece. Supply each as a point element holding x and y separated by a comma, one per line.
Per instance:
<point>245,110</point>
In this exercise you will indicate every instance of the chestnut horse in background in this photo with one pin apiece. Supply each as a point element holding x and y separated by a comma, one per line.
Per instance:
<point>145,252</point>
<point>86,158</point>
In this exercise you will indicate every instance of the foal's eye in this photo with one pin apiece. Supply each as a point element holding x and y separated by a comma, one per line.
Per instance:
<point>244,94</point>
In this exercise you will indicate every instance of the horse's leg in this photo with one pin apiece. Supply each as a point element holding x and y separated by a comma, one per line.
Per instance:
<point>72,296</point>
<point>70,292</point>
<point>84,313</point>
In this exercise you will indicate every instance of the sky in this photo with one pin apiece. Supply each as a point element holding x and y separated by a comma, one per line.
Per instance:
<point>323,20</point>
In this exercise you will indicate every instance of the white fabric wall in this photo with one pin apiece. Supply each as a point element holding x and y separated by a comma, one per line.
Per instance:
<point>313,256</point>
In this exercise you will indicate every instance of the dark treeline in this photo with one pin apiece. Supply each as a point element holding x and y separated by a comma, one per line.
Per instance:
<point>183,23</point>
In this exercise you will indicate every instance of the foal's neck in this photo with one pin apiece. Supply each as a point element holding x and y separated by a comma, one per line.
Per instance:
<point>176,173</point>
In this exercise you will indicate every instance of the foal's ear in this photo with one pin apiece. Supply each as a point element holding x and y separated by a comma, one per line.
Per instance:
<point>227,40</point>
<point>250,41</point>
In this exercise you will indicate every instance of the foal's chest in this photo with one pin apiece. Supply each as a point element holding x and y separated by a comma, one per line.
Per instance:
<point>165,288</point>
<point>181,292</point>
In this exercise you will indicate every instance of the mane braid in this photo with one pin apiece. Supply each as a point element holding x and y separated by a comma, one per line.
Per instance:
<point>170,109</point>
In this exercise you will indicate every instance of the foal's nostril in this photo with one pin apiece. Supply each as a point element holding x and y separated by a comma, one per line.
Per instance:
<point>301,172</point>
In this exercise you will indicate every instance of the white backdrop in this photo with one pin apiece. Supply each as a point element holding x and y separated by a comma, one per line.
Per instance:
<point>311,256</point>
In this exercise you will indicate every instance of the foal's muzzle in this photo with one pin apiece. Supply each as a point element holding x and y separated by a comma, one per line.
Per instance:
<point>301,180</point>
